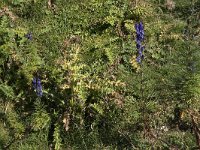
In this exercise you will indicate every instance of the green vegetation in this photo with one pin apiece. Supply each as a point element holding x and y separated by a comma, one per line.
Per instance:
<point>70,77</point>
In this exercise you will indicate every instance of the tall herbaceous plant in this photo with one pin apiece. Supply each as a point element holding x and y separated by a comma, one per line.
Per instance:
<point>99,74</point>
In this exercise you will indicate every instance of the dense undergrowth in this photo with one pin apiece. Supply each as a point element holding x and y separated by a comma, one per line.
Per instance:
<point>70,77</point>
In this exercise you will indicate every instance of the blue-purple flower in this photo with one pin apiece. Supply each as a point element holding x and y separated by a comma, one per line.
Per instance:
<point>29,36</point>
<point>37,86</point>
<point>139,39</point>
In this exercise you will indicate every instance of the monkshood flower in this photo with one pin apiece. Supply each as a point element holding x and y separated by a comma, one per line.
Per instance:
<point>37,86</point>
<point>139,39</point>
<point>29,36</point>
<point>139,31</point>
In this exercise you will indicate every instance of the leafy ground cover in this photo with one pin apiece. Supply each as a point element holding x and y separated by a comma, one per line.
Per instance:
<point>104,74</point>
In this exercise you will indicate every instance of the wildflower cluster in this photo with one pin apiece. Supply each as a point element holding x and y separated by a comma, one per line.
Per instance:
<point>139,38</point>
<point>37,86</point>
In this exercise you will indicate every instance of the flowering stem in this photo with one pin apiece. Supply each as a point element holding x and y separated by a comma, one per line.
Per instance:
<point>143,101</point>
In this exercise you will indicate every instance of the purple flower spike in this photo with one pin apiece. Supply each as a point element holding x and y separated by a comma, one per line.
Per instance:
<point>139,38</point>
<point>37,86</point>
